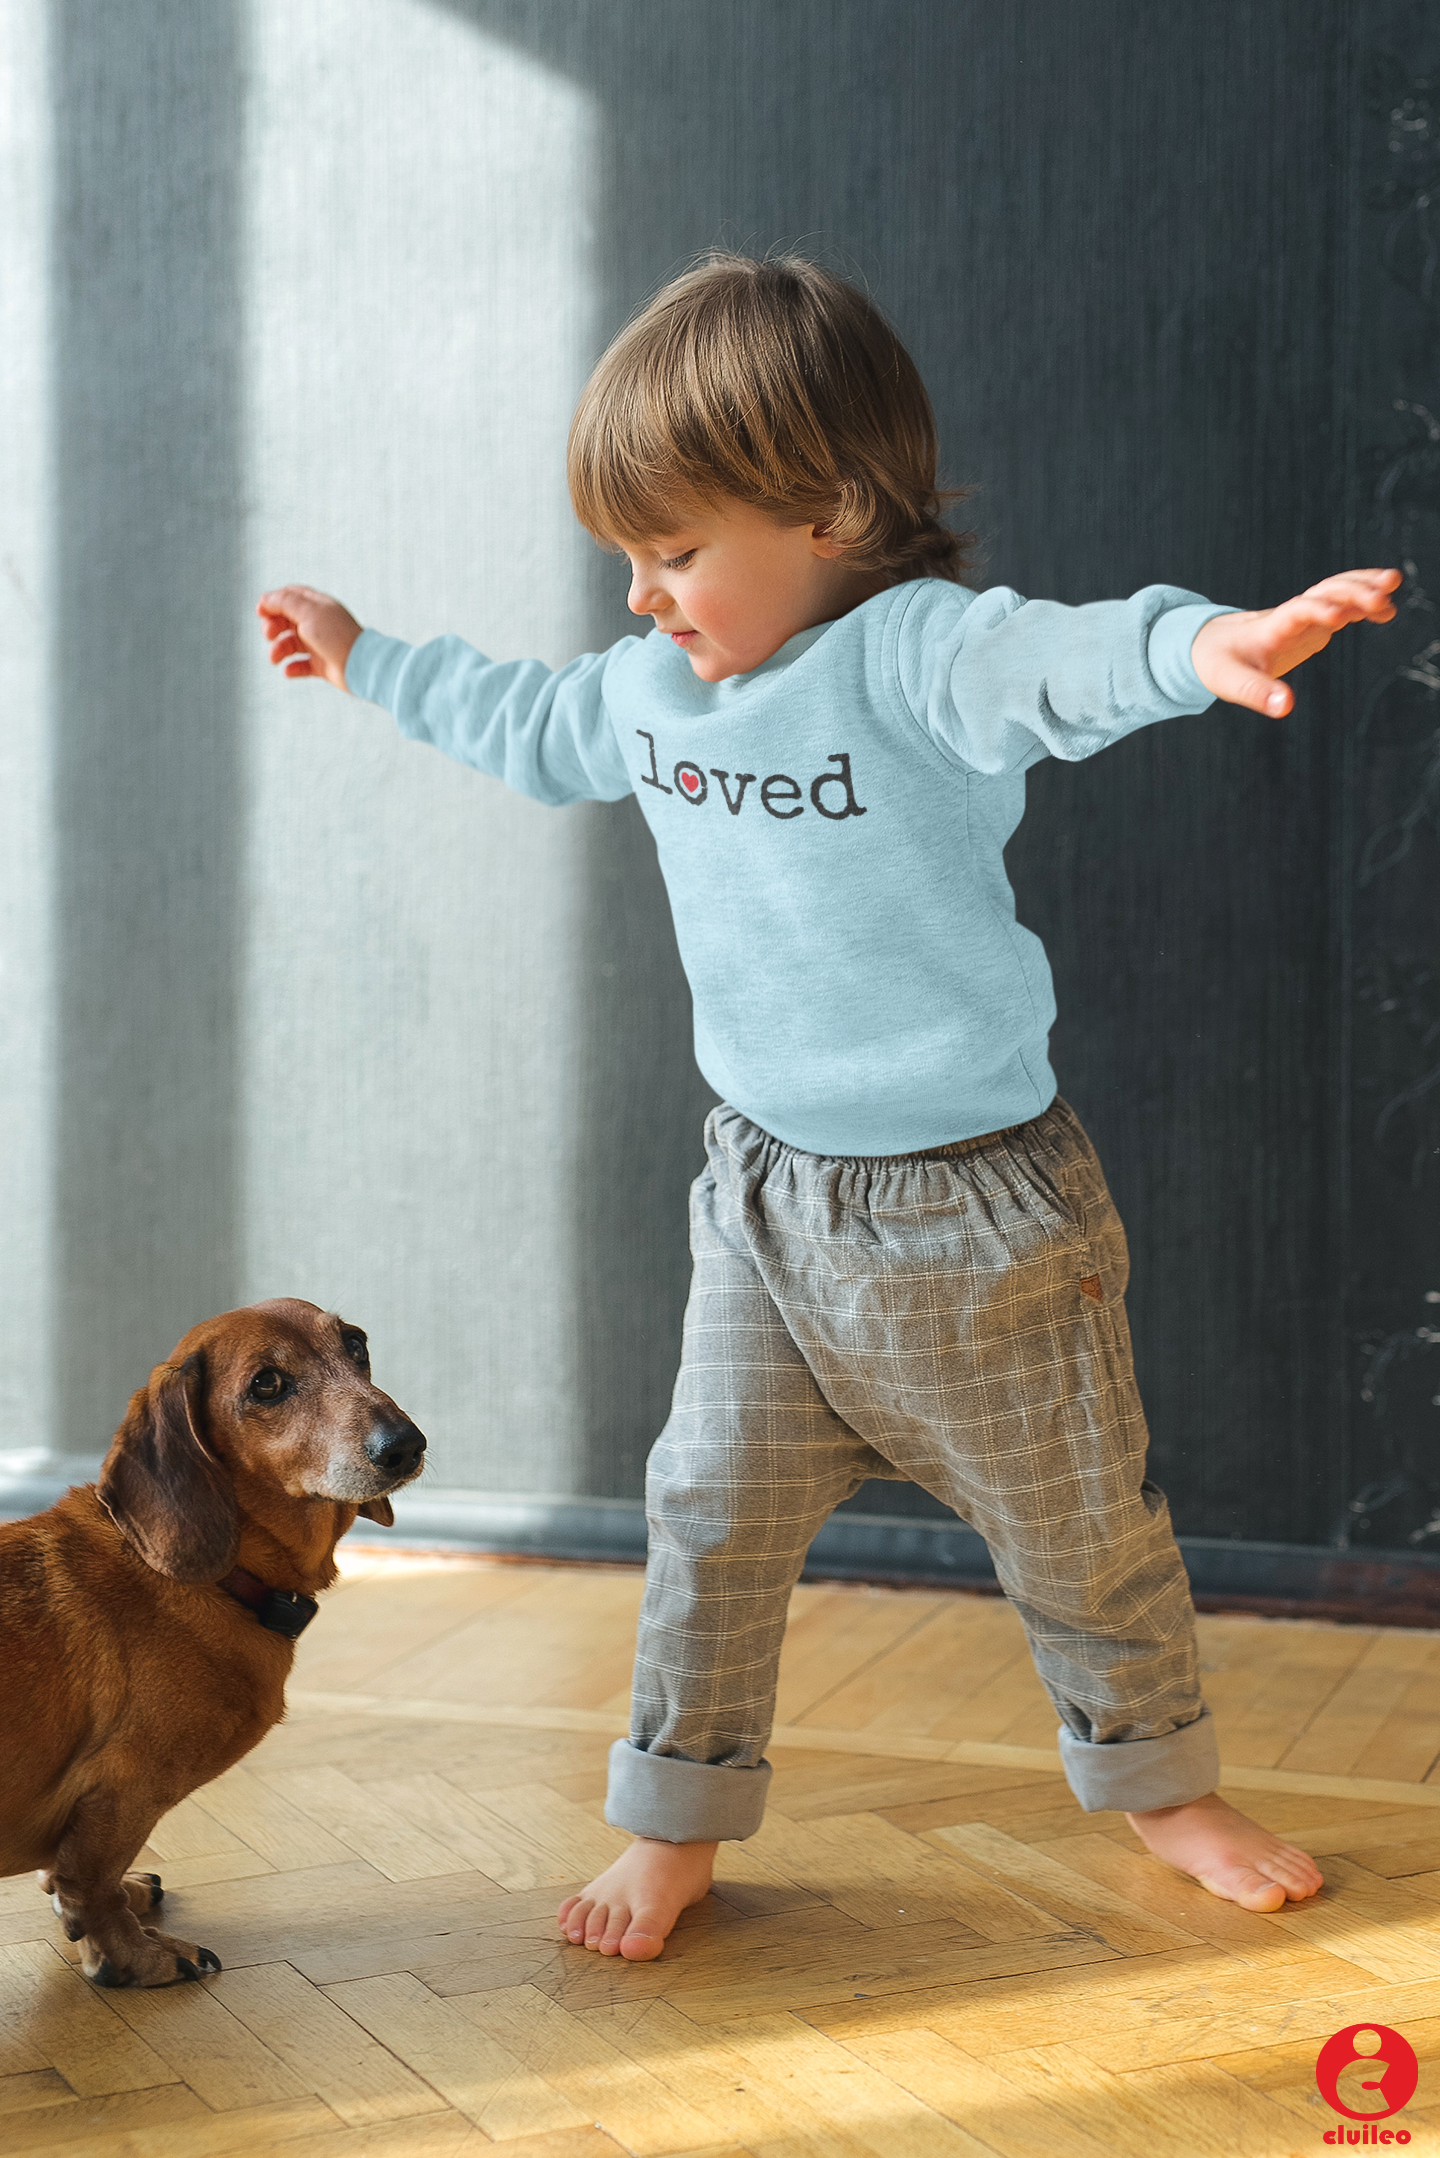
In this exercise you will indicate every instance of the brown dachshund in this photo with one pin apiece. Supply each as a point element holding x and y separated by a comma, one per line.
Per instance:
<point>147,1622</point>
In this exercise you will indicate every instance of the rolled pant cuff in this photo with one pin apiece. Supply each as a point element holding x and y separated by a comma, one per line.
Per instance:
<point>1134,1775</point>
<point>675,1801</point>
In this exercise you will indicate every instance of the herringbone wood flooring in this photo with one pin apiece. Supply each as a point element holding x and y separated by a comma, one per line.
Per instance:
<point>928,1951</point>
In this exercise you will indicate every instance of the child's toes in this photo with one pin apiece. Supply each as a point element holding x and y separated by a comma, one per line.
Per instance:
<point>1296,1872</point>
<point>643,1939</point>
<point>575,1917</point>
<point>597,1917</point>
<point>604,1927</point>
<point>1258,1892</point>
<point>1247,1886</point>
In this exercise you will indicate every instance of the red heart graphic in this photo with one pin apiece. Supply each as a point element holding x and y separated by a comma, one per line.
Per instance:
<point>690,781</point>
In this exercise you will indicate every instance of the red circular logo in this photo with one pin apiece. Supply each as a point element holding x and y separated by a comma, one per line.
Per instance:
<point>1367,2071</point>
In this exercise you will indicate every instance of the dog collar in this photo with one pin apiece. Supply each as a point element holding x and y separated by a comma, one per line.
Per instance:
<point>282,1611</point>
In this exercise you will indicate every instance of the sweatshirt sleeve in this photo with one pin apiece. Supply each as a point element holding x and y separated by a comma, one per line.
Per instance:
<point>998,682</point>
<point>546,732</point>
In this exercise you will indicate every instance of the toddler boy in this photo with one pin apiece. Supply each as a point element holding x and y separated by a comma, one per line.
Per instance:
<point>907,1263</point>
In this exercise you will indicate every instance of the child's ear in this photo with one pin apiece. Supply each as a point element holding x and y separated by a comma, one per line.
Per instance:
<point>822,544</point>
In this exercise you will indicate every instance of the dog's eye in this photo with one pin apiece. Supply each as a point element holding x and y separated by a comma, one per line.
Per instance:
<point>356,1350</point>
<point>269,1386</point>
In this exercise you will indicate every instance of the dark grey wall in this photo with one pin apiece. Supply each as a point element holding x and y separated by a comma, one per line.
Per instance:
<point>1387,1162</point>
<point>1164,305</point>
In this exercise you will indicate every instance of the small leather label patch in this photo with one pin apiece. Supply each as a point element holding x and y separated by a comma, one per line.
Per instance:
<point>1091,1287</point>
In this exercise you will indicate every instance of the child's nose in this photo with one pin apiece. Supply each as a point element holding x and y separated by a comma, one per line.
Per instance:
<point>644,596</point>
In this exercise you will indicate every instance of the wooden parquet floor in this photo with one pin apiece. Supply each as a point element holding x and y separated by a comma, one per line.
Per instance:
<point>928,1951</point>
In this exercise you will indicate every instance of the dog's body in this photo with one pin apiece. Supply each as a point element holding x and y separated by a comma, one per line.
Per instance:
<point>137,1666</point>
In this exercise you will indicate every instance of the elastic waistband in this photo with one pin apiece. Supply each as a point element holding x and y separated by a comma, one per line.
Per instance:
<point>948,1152</point>
<point>956,1146</point>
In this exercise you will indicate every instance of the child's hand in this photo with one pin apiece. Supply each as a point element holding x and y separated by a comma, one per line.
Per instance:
<point>310,633</point>
<point>1238,656</point>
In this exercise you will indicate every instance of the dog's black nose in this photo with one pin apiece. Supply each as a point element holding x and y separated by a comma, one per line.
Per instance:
<point>396,1448</point>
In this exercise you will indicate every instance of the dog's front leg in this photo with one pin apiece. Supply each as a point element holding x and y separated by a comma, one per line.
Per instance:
<point>96,1899</point>
<point>142,1892</point>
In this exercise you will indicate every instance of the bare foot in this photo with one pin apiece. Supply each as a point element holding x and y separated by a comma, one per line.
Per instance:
<point>630,1908</point>
<point>1228,1853</point>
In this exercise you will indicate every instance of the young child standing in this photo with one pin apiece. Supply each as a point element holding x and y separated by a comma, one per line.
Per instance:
<point>907,1263</point>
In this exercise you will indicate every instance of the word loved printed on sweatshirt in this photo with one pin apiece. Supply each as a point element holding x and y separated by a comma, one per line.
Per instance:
<point>831,794</point>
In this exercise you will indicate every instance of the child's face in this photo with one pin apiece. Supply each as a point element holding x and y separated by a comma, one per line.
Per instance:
<point>729,585</point>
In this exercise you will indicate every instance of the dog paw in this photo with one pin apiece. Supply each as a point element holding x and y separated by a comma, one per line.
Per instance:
<point>156,1959</point>
<point>189,1961</point>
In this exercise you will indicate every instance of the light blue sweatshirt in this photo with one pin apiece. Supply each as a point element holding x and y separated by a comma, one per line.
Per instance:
<point>831,829</point>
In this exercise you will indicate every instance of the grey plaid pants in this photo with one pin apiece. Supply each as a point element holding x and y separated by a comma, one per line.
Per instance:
<point>953,1318</point>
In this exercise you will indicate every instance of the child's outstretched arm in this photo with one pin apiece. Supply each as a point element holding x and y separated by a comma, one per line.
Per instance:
<point>1240,657</point>
<point>309,633</point>
<point>547,732</point>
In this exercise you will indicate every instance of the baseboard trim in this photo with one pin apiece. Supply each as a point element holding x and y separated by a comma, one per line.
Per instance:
<point>1377,1588</point>
<point>1282,1580</point>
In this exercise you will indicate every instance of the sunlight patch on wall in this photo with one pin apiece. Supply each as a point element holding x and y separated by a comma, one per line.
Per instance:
<point>419,324</point>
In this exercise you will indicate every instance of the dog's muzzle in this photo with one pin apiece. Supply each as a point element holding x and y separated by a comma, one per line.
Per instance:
<point>398,1449</point>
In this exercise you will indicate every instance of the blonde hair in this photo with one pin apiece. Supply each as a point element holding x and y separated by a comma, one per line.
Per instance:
<point>776,384</point>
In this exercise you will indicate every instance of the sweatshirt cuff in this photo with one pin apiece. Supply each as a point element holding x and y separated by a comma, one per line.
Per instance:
<point>373,669</point>
<point>1169,655</point>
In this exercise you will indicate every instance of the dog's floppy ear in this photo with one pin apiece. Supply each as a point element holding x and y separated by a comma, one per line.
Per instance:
<point>163,1488</point>
<point>381,1511</point>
